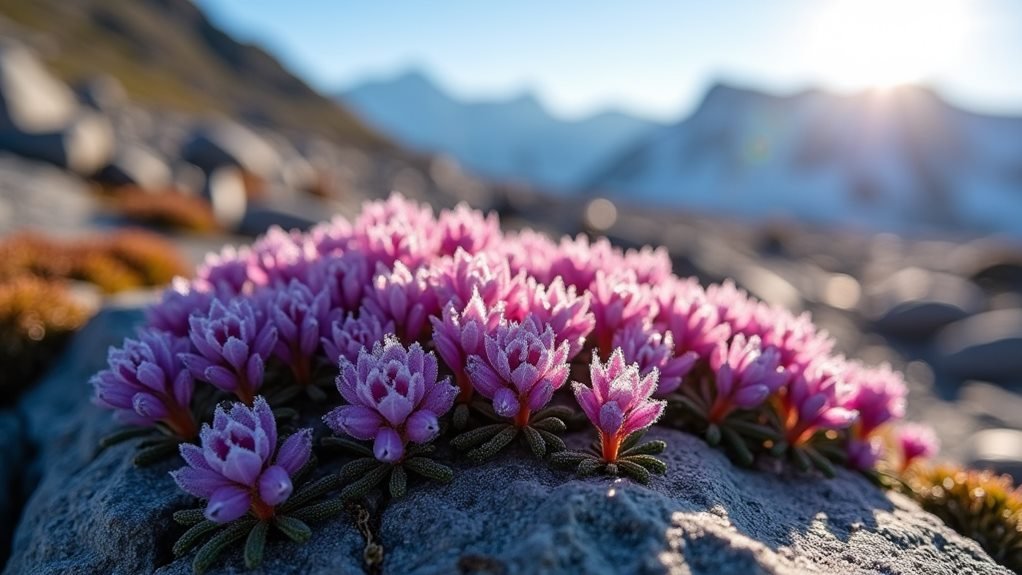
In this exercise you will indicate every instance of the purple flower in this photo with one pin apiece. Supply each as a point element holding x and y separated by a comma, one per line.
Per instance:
<point>344,277</point>
<point>349,337</point>
<point>229,270</point>
<point>815,400</point>
<point>457,279</point>
<point>395,230</point>
<point>651,350</point>
<point>563,310</point>
<point>333,237</point>
<point>578,260</point>
<point>233,345</point>
<point>403,297</point>
<point>460,334</point>
<point>281,256</point>
<point>177,303</point>
<point>618,403</point>
<point>693,321</point>
<point>394,398</point>
<point>916,441</point>
<point>863,454</point>
<point>239,469</point>
<point>745,376</point>
<point>147,384</point>
<point>618,300</point>
<point>521,368</point>
<point>299,317</point>
<point>466,229</point>
<point>878,394</point>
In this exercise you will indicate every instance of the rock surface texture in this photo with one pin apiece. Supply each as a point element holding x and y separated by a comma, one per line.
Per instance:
<point>92,512</point>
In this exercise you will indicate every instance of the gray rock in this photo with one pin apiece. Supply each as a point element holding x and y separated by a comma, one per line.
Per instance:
<point>31,99</point>
<point>985,346</point>
<point>224,188</point>
<point>136,166</point>
<point>94,513</point>
<point>84,145</point>
<point>999,450</point>
<point>230,144</point>
<point>12,456</point>
<point>915,303</point>
<point>34,195</point>
<point>104,93</point>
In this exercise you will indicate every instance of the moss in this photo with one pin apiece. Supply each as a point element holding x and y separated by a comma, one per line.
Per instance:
<point>36,319</point>
<point>978,504</point>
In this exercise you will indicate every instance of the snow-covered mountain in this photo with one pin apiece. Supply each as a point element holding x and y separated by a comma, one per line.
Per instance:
<point>897,159</point>
<point>510,139</point>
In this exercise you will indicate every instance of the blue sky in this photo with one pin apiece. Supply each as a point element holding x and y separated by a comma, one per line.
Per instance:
<point>652,57</point>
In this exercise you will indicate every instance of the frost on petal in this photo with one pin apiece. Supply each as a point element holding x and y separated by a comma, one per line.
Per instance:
<point>388,446</point>
<point>274,485</point>
<point>227,504</point>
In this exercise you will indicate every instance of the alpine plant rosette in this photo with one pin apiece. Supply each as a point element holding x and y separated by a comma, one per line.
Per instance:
<point>506,316</point>
<point>395,401</point>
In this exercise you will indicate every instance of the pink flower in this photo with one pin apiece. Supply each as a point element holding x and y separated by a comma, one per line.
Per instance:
<point>618,403</point>
<point>460,334</point>
<point>281,256</point>
<point>456,279</point>
<point>618,300</point>
<point>916,441</point>
<point>393,398</point>
<point>238,468</point>
<point>877,393</point>
<point>395,230</point>
<point>651,350</point>
<point>693,321</point>
<point>578,260</point>
<point>863,454</point>
<point>795,337</point>
<point>466,229</point>
<point>345,277</point>
<point>404,298</point>
<point>563,310</point>
<point>531,252</point>
<point>333,237</point>
<point>347,338</point>
<point>815,400</point>
<point>735,308</point>
<point>745,376</point>
<point>651,265</point>
<point>520,370</point>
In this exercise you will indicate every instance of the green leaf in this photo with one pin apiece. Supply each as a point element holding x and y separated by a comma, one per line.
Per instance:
<point>689,405</point>
<point>535,441</point>
<point>156,453</point>
<point>820,462</point>
<point>649,448</point>
<point>346,445</point>
<point>478,435</point>
<point>493,446</point>
<point>568,458</point>
<point>551,424</point>
<point>398,482</point>
<point>368,481</point>
<point>737,443</point>
<point>315,394</point>
<point>632,440</point>
<point>284,414</point>
<point>460,416</point>
<point>800,459</point>
<point>123,435</point>
<point>754,430</point>
<point>713,434</point>
<point>189,516</point>
<point>553,443</point>
<point>589,466</point>
<point>558,411</point>
<point>430,469</point>
<point>634,470</point>
<point>214,547</point>
<point>295,529</point>
<point>191,537</point>
<point>255,543</point>
<point>319,511</point>
<point>312,490</point>
<point>648,461</point>
<point>358,467</point>
<point>486,410</point>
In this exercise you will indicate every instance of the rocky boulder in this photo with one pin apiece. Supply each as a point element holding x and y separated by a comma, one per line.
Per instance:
<point>985,346</point>
<point>224,143</point>
<point>12,455</point>
<point>915,303</point>
<point>93,512</point>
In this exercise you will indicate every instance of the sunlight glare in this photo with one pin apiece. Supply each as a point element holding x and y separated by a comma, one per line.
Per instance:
<point>882,43</point>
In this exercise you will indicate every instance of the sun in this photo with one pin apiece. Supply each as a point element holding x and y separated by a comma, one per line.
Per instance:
<point>880,43</point>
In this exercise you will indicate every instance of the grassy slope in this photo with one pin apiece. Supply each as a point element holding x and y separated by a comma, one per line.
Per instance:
<point>167,54</point>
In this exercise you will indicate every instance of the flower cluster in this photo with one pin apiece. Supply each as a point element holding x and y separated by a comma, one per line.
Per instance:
<point>511,318</point>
